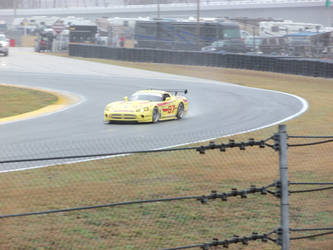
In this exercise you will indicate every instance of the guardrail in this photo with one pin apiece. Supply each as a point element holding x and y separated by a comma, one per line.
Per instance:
<point>278,64</point>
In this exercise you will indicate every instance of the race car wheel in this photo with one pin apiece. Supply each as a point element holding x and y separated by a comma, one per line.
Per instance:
<point>180,111</point>
<point>155,115</point>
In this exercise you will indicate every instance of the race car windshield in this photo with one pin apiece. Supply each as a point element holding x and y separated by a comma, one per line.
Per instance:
<point>146,97</point>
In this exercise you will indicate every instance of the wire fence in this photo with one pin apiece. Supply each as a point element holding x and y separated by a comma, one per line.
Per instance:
<point>132,222</point>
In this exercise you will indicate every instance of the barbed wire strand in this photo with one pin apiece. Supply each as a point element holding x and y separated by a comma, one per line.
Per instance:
<point>269,145</point>
<point>200,149</point>
<point>310,183</point>
<point>225,243</point>
<point>269,138</point>
<point>310,236</point>
<point>202,198</point>
<point>310,143</point>
<point>310,229</point>
<point>310,190</point>
<point>310,137</point>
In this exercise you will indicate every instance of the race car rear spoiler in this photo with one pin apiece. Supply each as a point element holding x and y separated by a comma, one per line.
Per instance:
<point>176,91</point>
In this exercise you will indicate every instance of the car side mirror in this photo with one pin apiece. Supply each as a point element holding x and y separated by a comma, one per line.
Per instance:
<point>126,98</point>
<point>167,99</point>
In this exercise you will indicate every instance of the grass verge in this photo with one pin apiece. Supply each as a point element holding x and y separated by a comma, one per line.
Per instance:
<point>15,100</point>
<point>176,174</point>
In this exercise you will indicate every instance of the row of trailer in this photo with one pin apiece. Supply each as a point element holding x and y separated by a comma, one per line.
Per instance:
<point>212,35</point>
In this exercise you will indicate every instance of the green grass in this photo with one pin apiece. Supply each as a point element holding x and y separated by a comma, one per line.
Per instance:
<point>15,101</point>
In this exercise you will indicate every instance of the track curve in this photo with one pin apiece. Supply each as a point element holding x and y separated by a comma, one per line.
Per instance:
<point>216,109</point>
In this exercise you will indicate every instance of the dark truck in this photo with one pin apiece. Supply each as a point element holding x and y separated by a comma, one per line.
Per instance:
<point>82,34</point>
<point>44,40</point>
<point>171,34</point>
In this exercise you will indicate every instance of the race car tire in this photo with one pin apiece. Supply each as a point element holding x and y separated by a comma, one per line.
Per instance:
<point>155,115</point>
<point>180,111</point>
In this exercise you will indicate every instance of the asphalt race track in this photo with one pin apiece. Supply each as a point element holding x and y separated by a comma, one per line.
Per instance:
<point>216,109</point>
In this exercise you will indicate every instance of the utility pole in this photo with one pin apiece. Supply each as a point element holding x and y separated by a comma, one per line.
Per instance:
<point>158,9</point>
<point>254,38</point>
<point>198,24</point>
<point>284,205</point>
<point>14,7</point>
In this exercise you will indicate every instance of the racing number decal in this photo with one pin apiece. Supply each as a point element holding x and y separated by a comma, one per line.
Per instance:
<point>171,108</point>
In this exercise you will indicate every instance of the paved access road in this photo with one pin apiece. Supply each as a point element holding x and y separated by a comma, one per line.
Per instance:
<point>216,109</point>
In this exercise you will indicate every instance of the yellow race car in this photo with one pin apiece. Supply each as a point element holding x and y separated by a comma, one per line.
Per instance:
<point>148,106</point>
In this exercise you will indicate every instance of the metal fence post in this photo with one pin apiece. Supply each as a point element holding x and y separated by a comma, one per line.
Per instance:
<point>284,205</point>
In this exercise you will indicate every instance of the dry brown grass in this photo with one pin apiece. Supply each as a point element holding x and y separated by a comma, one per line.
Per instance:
<point>176,174</point>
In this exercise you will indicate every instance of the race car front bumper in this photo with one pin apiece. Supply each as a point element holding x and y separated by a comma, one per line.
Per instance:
<point>127,117</point>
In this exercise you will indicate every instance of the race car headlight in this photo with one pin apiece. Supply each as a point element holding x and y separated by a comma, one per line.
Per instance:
<point>108,108</point>
<point>143,109</point>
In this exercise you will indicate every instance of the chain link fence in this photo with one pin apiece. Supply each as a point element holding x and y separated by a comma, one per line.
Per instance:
<point>225,193</point>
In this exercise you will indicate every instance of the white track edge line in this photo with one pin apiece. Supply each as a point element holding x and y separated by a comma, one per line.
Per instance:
<point>304,108</point>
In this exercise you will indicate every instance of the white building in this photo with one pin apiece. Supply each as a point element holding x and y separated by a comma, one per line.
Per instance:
<point>276,28</point>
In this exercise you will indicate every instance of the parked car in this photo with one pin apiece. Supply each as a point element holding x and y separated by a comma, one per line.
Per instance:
<point>4,44</point>
<point>228,45</point>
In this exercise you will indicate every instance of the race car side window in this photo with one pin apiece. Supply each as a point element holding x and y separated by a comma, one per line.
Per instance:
<point>147,97</point>
<point>165,96</point>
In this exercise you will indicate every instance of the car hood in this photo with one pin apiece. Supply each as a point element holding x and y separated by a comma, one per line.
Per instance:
<point>3,43</point>
<point>127,106</point>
